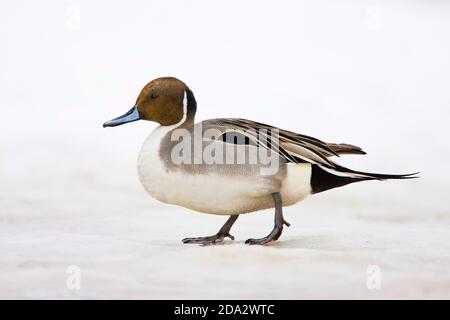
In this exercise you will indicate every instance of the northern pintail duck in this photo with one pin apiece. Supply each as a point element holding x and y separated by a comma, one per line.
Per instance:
<point>230,166</point>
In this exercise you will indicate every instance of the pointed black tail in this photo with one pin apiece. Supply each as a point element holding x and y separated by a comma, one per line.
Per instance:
<point>325,178</point>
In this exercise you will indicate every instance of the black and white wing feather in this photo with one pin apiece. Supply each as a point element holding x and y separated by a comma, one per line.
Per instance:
<point>299,148</point>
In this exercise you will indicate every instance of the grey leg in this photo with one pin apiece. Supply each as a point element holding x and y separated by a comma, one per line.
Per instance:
<point>219,237</point>
<point>279,222</point>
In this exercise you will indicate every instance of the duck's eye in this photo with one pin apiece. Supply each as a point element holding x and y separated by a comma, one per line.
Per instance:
<point>153,96</point>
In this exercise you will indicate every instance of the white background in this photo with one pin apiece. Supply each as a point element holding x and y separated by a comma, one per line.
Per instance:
<point>371,73</point>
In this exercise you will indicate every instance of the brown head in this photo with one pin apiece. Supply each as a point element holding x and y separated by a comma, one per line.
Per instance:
<point>167,101</point>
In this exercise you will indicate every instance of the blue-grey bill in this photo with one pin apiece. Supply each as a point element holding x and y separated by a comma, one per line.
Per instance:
<point>130,116</point>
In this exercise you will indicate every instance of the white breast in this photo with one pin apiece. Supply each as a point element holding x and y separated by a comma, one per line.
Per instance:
<point>151,171</point>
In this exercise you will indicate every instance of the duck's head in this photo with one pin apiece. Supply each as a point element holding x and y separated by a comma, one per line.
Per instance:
<point>167,101</point>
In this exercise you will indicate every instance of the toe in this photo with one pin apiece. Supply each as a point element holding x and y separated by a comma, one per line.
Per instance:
<point>196,240</point>
<point>261,241</point>
<point>204,240</point>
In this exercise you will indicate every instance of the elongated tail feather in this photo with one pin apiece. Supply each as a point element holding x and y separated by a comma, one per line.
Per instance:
<point>325,178</point>
<point>340,170</point>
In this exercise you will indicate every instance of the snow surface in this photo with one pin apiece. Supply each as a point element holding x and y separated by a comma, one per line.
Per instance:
<point>375,74</point>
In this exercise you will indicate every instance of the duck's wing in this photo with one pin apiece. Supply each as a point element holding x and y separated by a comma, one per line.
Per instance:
<point>292,146</point>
